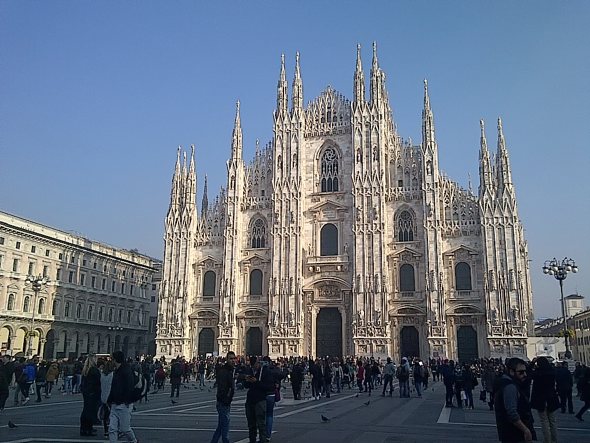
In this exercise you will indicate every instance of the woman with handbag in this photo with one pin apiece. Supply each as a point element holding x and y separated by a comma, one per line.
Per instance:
<point>544,398</point>
<point>90,388</point>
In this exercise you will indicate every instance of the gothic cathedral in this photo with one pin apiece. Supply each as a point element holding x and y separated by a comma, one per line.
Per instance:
<point>340,237</point>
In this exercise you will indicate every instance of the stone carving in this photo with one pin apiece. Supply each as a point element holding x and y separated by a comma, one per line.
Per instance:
<point>291,319</point>
<point>360,317</point>
<point>274,318</point>
<point>329,291</point>
<point>378,317</point>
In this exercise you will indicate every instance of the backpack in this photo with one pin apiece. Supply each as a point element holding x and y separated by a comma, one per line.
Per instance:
<point>137,391</point>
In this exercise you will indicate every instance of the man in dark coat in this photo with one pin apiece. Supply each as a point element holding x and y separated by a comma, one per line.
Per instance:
<point>119,400</point>
<point>297,380</point>
<point>259,381</point>
<point>224,378</point>
<point>565,385</point>
<point>514,419</point>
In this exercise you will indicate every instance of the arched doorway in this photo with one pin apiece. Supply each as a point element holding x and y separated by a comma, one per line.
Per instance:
<point>5,339</point>
<point>410,342</point>
<point>207,341</point>
<point>329,333</point>
<point>253,341</point>
<point>466,344</point>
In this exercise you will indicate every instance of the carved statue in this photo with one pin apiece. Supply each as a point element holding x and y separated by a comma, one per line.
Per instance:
<point>361,317</point>
<point>309,249</point>
<point>275,318</point>
<point>494,313</point>
<point>291,318</point>
<point>346,248</point>
<point>515,314</point>
<point>378,317</point>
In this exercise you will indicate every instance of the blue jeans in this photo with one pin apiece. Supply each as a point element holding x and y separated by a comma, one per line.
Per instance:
<point>222,423</point>
<point>270,406</point>
<point>418,386</point>
<point>404,388</point>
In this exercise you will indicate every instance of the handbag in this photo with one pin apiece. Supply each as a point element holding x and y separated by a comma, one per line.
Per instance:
<point>482,396</point>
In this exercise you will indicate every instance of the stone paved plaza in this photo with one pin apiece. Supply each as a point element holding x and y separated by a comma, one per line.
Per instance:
<point>193,419</point>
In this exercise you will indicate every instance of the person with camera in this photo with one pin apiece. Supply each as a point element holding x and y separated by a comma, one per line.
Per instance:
<point>259,381</point>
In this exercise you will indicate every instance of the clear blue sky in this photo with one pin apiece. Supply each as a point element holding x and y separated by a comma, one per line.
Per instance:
<point>95,96</point>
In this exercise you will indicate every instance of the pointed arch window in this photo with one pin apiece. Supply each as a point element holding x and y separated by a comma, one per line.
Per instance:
<point>329,167</point>
<point>10,304</point>
<point>27,304</point>
<point>256,282</point>
<point>406,278</point>
<point>258,234</point>
<point>463,277</point>
<point>405,227</point>
<point>209,284</point>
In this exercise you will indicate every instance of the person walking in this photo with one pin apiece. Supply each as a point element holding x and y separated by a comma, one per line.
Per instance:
<point>544,398</point>
<point>418,373</point>
<point>403,377</point>
<point>106,380</point>
<point>225,394</point>
<point>258,380</point>
<point>90,388</point>
<point>51,377</point>
<point>447,371</point>
<point>584,390</point>
<point>176,371</point>
<point>297,380</point>
<point>120,400</point>
<point>388,372</point>
<point>40,379</point>
<point>565,385</point>
<point>514,418</point>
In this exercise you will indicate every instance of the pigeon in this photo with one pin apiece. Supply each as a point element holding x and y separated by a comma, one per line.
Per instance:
<point>11,425</point>
<point>367,403</point>
<point>325,419</point>
<point>173,402</point>
<point>356,396</point>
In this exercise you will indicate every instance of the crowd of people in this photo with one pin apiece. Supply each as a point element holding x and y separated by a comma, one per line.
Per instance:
<point>111,385</point>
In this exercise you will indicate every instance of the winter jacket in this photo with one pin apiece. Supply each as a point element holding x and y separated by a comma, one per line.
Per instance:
<point>225,384</point>
<point>52,372</point>
<point>544,394</point>
<point>122,385</point>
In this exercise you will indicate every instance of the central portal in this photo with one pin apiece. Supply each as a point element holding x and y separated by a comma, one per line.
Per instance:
<point>329,333</point>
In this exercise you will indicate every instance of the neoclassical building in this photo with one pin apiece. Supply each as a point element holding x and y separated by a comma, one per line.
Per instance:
<point>340,237</point>
<point>98,298</point>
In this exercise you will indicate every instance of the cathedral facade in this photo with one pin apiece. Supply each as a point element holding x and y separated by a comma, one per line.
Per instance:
<point>340,237</point>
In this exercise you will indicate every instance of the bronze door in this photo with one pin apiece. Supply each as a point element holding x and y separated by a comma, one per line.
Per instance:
<point>410,342</point>
<point>206,341</point>
<point>329,333</point>
<point>254,342</point>
<point>466,344</point>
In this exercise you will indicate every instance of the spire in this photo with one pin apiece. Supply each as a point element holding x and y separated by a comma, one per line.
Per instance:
<point>359,78</point>
<point>205,202</point>
<point>176,182</point>
<point>297,87</point>
<point>282,95</point>
<point>375,76</point>
<point>236,147</point>
<point>190,186</point>
<point>485,164</point>
<point>428,138</point>
<point>504,175</point>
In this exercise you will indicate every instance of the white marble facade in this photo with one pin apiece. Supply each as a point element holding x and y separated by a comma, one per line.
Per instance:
<point>341,237</point>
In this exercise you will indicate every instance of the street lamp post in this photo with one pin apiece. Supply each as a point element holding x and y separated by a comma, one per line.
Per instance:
<point>37,283</point>
<point>559,270</point>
